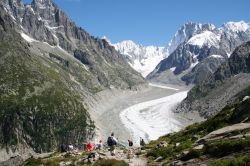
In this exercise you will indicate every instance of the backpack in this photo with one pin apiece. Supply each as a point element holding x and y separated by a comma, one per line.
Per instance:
<point>111,141</point>
<point>130,143</point>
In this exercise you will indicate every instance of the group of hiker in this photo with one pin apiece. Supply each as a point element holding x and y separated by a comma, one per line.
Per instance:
<point>86,146</point>
<point>112,142</point>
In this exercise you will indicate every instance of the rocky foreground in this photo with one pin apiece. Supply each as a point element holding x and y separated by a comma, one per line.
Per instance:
<point>124,157</point>
<point>221,140</point>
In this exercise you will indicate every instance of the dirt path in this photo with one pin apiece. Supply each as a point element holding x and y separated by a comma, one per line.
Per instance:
<point>128,156</point>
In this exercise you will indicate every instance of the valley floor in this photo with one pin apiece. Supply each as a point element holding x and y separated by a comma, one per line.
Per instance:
<point>145,113</point>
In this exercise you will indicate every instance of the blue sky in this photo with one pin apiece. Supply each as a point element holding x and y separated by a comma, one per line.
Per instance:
<point>149,22</point>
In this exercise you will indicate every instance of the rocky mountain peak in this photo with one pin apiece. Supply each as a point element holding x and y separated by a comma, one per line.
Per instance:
<point>42,2</point>
<point>186,31</point>
<point>44,8</point>
<point>191,28</point>
<point>236,26</point>
<point>127,46</point>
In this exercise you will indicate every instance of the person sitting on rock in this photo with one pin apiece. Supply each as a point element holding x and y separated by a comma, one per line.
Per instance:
<point>99,145</point>
<point>71,147</point>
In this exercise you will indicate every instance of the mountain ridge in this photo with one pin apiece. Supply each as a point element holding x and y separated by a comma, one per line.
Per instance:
<point>198,48</point>
<point>195,36</point>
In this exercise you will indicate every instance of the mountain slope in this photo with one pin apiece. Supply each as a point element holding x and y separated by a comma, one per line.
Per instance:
<point>45,22</point>
<point>216,91</point>
<point>39,111</point>
<point>220,140</point>
<point>50,70</point>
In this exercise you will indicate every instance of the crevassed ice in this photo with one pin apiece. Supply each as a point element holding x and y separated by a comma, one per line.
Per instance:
<point>154,118</point>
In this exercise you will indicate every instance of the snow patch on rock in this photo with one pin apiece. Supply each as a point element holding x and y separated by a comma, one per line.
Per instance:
<point>236,26</point>
<point>27,38</point>
<point>216,56</point>
<point>206,38</point>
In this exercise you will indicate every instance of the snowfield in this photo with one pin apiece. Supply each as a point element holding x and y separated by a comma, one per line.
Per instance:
<point>206,38</point>
<point>143,59</point>
<point>153,118</point>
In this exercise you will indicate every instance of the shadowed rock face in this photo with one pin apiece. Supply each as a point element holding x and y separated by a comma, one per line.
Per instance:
<point>226,85</point>
<point>45,84</point>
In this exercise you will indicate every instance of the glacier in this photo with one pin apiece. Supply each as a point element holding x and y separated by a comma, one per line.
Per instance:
<point>154,118</point>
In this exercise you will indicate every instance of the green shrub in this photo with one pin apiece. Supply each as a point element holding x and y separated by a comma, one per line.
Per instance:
<point>32,162</point>
<point>111,162</point>
<point>224,147</point>
<point>164,152</point>
<point>190,155</point>
<point>183,146</point>
<point>238,161</point>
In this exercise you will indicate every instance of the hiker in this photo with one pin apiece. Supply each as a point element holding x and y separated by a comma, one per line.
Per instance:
<point>89,147</point>
<point>142,142</point>
<point>63,148</point>
<point>130,143</point>
<point>71,147</point>
<point>112,141</point>
<point>99,145</point>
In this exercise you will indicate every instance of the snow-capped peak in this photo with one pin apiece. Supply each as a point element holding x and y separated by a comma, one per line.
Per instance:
<point>42,1</point>
<point>142,59</point>
<point>145,59</point>
<point>236,26</point>
<point>128,47</point>
<point>186,32</point>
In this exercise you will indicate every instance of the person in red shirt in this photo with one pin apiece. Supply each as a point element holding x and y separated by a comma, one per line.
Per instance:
<point>90,147</point>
